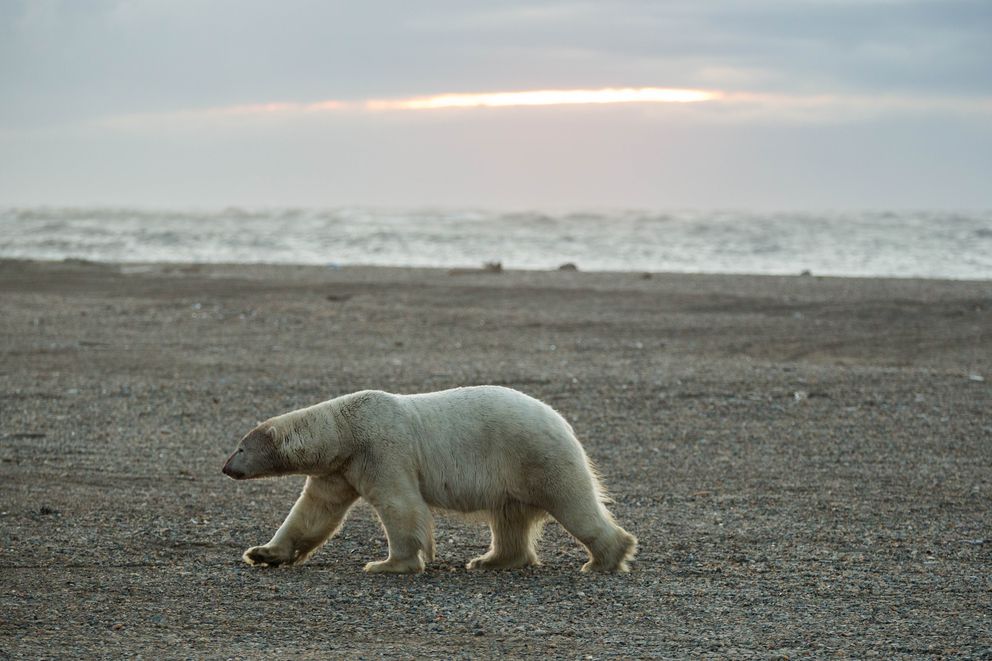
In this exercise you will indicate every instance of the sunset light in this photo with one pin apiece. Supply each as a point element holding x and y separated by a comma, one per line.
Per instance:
<point>547,98</point>
<point>272,108</point>
<point>482,100</point>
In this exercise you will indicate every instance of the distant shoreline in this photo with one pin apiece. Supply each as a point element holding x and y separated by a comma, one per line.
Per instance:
<point>481,269</point>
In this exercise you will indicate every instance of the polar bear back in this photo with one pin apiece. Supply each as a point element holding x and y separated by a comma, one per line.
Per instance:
<point>471,449</point>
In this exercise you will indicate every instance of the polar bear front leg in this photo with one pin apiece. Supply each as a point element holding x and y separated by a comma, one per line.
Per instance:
<point>316,516</point>
<point>410,532</point>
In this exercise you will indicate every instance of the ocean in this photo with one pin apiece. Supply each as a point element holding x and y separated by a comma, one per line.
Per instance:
<point>954,245</point>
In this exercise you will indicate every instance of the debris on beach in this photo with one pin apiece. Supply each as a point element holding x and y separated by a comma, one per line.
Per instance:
<point>488,267</point>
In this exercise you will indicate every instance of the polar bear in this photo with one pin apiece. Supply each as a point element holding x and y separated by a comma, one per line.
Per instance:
<point>488,450</point>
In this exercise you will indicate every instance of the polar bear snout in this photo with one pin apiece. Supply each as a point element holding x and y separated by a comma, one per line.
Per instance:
<point>232,466</point>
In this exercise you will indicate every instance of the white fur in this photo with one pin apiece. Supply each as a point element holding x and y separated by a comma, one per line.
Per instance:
<point>485,449</point>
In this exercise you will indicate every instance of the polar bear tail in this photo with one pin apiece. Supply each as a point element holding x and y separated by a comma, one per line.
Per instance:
<point>602,495</point>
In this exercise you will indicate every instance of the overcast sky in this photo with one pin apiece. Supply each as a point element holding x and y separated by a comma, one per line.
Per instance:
<point>813,104</point>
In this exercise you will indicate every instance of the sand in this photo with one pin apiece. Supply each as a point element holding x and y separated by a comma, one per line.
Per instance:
<point>806,461</point>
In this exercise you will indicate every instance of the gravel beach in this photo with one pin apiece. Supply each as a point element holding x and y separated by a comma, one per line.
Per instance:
<point>806,461</point>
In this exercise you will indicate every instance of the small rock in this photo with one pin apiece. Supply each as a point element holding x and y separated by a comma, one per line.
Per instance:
<point>568,266</point>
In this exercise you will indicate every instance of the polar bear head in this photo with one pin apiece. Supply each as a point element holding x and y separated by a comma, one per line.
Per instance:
<point>258,455</point>
<point>303,442</point>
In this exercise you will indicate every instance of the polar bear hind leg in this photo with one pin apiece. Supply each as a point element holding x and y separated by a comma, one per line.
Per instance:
<point>581,513</point>
<point>516,528</point>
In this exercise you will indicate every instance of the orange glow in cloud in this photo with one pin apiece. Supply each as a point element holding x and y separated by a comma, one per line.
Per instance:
<point>273,108</point>
<point>547,98</point>
<point>533,98</point>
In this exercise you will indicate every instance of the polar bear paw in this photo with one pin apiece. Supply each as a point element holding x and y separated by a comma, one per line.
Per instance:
<point>492,561</point>
<point>413,565</point>
<point>266,556</point>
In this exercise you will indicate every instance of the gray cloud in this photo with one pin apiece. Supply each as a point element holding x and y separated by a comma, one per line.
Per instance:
<point>881,103</point>
<point>61,60</point>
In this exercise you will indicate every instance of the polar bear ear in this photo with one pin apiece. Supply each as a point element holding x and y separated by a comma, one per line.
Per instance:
<point>264,426</point>
<point>262,432</point>
<point>268,431</point>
